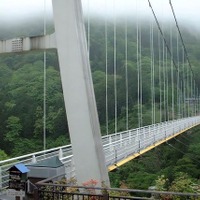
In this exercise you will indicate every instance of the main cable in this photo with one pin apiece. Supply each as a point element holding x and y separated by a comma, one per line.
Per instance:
<point>183,44</point>
<point>162,34</point>
<point>184,47</point>
<point>181,80</point>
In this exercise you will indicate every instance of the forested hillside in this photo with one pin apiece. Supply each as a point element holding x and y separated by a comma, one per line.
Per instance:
<point>21,94</point>
<point>22,103</point>
<point>173,166</point>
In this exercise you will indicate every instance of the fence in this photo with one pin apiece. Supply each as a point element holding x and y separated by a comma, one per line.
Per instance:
<point>50,191</point>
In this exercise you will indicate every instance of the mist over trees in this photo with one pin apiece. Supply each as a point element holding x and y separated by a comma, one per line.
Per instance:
<point>22,94</point>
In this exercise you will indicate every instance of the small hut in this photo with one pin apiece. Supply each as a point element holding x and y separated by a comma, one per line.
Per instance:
<point>18,177</point>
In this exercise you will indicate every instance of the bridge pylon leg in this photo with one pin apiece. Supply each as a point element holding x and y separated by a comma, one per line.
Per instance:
<point>78,92</point>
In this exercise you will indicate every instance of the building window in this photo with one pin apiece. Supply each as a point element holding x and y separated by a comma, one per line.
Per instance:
<point>17,45</point>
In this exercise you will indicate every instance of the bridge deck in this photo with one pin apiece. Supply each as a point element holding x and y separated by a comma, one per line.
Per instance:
<point>119,148</point>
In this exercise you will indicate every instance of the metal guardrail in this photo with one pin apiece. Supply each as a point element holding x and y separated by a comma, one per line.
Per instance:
<point>31,158</point>
<point>117,146</point>
<point>52,191</point>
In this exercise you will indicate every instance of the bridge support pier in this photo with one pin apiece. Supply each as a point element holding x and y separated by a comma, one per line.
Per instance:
<point>78,92</point>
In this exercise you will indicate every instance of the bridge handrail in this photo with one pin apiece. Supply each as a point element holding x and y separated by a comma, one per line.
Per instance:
<point>32,154</point>
<point>143,127</point>
<point>103,137</point>
<point>116,146</point>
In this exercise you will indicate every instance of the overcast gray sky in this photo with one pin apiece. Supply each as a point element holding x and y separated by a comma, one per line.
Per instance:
<point>186,10</point>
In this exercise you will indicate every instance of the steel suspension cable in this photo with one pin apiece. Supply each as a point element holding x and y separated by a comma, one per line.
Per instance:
<point>152,72</point>
<point>172,74</point>
<point>167,84</point>
<point>115,63</point>
<point>126,73</point>
<point>106,67</point>
<point>162,34</point>
<point>138,68</point>
<point>163,65</point>
<point>44,80</point>
<point>191,94</point>
<point>184,84</point>
<point>88,27</point>
<point>159,74</point>
<point>167,50</point>
<point>178,74</point>
<point>197,104</point>
<point>185,137</point>
<point>197,100</point>
<point>164,82</point>
<point>187,88</point>
<point>141,79</point>
<point>151,55</point>
<point>195,96</point>
<point>181,142</point>
<point>181,37</point>
<point>194,159</point>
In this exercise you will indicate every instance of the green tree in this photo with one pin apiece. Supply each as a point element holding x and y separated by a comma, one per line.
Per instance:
<point>14,128</point>
<point>182,183</point>
<point>3,155</point>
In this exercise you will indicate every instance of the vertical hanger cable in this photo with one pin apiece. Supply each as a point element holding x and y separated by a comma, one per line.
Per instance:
<point>159,76</point>
<point>88,26</point>
<point>126,73</point>
<point>172,71</point>
<point>184,84</point>
<point>140,69</point>
<point>115,64</point>
<point>178,89</point>
<point>138,74</point>
<point>167,84</point>
<point>44,83</point>
<point>106,55</point>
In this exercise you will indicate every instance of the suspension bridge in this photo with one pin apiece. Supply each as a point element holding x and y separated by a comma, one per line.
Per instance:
<point>90,155</point>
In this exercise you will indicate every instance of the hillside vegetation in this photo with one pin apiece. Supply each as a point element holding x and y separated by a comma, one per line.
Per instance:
<point>22,94</point>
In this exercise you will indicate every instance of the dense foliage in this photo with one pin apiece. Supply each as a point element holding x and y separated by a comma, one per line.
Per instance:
<point>22,95</point>
<point>176,162</point>
<point>22,103</point>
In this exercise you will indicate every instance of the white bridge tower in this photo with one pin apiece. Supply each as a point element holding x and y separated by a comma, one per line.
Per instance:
<point>70,40</point>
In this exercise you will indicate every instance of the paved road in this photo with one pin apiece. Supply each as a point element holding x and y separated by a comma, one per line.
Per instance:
<point>5,197</point>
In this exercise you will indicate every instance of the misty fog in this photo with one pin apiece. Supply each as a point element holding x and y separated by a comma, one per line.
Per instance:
<point>17,15</point>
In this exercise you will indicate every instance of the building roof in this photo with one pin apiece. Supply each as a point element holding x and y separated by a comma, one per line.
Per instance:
<point>21,167</point>
<point>53,162</point>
